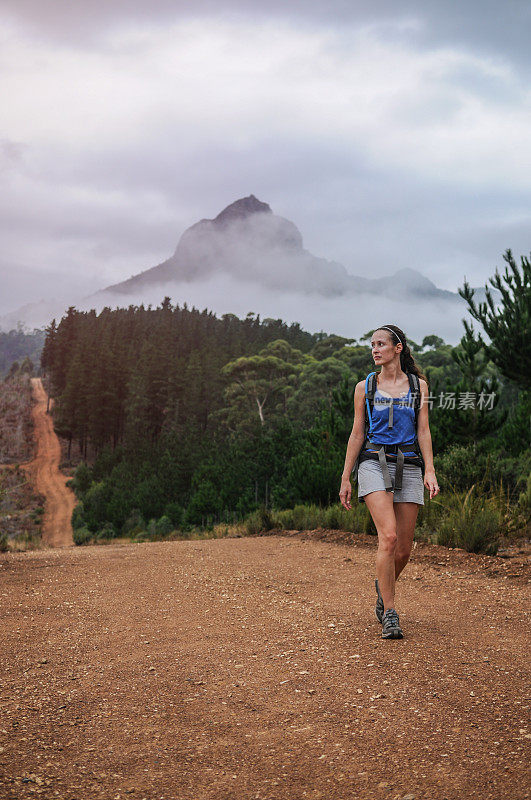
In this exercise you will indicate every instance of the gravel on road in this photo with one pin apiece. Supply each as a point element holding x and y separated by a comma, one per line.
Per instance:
<point>253,668</point>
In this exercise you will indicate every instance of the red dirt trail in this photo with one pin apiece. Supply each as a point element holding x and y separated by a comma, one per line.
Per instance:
<point>46,476</point>
<point>253,669</point>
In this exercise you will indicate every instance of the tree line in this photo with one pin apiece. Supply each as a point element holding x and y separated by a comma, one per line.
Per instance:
<point>187,419</point>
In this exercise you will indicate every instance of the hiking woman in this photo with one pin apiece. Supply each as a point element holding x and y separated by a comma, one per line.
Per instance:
<point>390,442</point>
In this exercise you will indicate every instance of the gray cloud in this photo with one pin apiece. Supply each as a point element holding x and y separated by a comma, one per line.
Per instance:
<point>483,25</point>
<point>366,218</point>
<point>391,138</point>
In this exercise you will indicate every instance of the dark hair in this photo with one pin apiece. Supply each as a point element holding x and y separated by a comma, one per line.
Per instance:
<point>407,362</point>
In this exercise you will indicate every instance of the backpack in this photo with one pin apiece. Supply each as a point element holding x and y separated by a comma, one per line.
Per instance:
<point>389,452</point>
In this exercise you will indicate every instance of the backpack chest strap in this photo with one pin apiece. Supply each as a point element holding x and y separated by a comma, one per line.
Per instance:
<point>392,448</point>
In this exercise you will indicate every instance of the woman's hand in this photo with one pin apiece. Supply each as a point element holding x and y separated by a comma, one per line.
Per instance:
<point>430,482</point>
<point>345,493</point>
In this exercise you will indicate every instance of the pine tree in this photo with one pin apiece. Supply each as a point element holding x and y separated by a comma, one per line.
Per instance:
<point>508,327</point>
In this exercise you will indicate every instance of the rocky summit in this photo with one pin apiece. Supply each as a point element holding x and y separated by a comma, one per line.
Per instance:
<point>240,209</point>
<point>248,242</point>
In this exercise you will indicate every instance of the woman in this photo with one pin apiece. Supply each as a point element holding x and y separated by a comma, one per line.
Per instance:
<point>394,510</point>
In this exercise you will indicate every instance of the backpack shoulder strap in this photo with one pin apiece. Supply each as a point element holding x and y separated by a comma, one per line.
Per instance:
<point>414,385</point>
<point>370,388</point>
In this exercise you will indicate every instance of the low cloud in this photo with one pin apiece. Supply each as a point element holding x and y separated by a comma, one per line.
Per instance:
<point>348,315</point>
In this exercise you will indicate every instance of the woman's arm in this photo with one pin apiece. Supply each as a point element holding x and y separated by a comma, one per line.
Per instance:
<point>425,444</point>
<point>354,445</point>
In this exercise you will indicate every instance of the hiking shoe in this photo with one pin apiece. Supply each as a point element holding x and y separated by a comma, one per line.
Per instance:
<point>391,626</point>
<point>379,610</point>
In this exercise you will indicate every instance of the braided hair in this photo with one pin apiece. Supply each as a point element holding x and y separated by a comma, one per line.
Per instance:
<point>407,362</point>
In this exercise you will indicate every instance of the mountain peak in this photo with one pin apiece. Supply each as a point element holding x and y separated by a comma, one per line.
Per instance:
<point>242,208</point>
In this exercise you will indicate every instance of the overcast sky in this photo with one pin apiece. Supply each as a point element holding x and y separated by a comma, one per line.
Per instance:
<point>392,134</point>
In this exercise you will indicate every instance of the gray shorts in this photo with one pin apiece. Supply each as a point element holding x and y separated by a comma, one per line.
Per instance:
<point>370,479</point>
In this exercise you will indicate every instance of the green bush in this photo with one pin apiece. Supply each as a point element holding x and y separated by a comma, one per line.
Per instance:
<point>142,536</point>
<point>335,518</point>
<point>514,433</point>
<point>311,517</point>
<point>134,524</point>
<point>475,524</point>
<point>95,504</point>
<point>204,503</point>
<point>175,512</point>
<point>82,479</point>
<point>156,530</point>
<point>107,531</point>
<point>460,467</point>
<point>82,536</point>
<point>338,518</point>
<point>164,526</point>
<point>78,519</point>
<point>259,520</point>
<point>297,518</point>
<point>305,517</point>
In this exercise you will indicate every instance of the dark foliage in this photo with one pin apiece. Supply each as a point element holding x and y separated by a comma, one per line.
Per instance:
<point>186,419</point>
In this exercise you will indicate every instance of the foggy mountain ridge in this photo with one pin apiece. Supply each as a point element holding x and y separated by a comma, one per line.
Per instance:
<point>248,259</point>
<point>249,242</point>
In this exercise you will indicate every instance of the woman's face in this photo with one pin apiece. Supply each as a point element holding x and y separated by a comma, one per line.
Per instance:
<point>383,349</point>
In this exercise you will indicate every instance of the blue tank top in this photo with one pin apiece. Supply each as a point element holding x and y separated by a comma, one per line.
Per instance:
<point>403,420</point>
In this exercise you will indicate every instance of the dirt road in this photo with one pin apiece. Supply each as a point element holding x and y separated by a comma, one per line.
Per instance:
<point>46,477</point>
<point>253,669</point>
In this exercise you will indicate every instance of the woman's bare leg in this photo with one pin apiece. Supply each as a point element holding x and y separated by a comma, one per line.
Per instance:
<point>406,518</point>
<point>380,505</point>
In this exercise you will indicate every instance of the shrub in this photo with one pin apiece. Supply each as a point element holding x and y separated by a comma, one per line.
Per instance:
<point>78,519</point>
<point>175,512</point>
<point>134,523</point>
<point>95,505</point>
<point>310,517</point>
<point>203,503</point>
<point>459,467</point>
<point>305,517</point>
<point>164,526</point>
<point>82,479</point>
<point>475,524</point>
<point>514,433</point>
<point>148,496</point>
<point>82,536</point>
<point>106,532</point>
<point>259,520</point>
<point>334,518</point>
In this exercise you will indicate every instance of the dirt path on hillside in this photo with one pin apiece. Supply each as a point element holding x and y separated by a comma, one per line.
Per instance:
<point>46,477</point>
<point>253,669</point>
